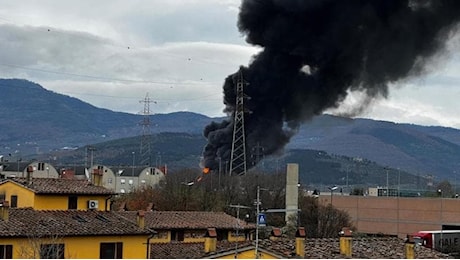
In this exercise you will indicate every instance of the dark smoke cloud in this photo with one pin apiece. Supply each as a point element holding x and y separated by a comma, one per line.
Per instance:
<point>314,52</point>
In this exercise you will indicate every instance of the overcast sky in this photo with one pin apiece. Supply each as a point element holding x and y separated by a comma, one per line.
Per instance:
<point>112,54</point>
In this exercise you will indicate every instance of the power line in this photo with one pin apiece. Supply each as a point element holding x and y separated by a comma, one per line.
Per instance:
<point>104,78</point>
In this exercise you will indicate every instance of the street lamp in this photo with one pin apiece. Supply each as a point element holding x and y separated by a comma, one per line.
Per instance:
<point>332,189</point>
<point>440,219</point>
<point>387,180</point>
<point>132,170</point>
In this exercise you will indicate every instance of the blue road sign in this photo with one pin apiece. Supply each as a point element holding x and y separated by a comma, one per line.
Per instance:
<point>262,220</point>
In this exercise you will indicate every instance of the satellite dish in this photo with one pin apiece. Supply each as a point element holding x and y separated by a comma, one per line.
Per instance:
<point>120,171</point>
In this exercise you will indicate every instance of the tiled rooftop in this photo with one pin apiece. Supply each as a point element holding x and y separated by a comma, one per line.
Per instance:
<point>62,186</point>
<point>188,220</point>
<point>177,250</point>
<point>367,248</point>
<point>27,222</point>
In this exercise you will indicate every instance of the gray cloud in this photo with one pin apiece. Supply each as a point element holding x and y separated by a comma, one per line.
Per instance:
<point>180,51</point>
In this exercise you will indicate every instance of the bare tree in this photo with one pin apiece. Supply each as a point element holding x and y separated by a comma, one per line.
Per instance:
<point>43,247</point>
<point>321,221</point>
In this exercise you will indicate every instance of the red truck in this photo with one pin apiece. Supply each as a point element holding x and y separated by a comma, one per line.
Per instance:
<point>446,241</point>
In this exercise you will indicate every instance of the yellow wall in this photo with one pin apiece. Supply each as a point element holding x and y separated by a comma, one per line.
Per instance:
<point>249,254</point>
<point>60,202</point>
<point>78,247</point>
<point>25,196</point>
<point>162,238</point>
<point>233,238</point>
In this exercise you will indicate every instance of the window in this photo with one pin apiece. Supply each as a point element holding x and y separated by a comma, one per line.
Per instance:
<point>111,251</point>
<point>122,181</point>
<point>52,251</point>
<point>177,235</point>
<point>6,251</point>
<point>41,166</point>
<point>73,202</point>
<point>14,201</point>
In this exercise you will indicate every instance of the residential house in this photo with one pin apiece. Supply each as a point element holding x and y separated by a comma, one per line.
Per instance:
<point>191,226</point>
<point>123,179</point>
<point>55,194</point>
<point>19,169</point>
<point>29,233</point>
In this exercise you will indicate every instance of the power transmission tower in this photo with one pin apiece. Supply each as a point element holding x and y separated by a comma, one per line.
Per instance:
<point>238,156</point>
<point>257,154</point>
<point>145,149</point>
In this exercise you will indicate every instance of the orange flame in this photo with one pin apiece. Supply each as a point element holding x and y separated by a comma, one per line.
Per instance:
<point>206,170</point>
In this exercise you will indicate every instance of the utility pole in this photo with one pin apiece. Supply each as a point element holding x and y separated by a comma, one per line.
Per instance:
<point>91,149</point>
<point>238,154</point>
<point>257,220</point>
<point>238,207</point>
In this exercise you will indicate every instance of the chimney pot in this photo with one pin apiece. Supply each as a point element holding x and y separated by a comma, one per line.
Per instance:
<point>409,247</point>
<point>300,242</point>
<point>210,240</point>
<point>275,234</point>
<point>346,242</point>
<point>141,219</point>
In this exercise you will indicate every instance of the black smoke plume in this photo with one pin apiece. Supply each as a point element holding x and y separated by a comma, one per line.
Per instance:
<point>314,52</point>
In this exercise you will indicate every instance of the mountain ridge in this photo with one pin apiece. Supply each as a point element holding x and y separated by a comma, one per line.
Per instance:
<point>38,121</point>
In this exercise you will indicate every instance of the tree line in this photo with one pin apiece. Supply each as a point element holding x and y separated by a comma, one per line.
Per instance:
<point>190,190</point>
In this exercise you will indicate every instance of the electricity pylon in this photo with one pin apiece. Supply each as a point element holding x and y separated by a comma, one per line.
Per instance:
<point>238,156</point>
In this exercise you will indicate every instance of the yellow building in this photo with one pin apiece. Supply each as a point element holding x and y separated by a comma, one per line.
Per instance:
<point>29,233</point>
<point>191,226</point>
<point>54,194</point>
<point>273,248</point>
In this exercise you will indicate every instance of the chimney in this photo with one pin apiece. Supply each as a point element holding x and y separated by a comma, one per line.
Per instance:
<point>345,241</point>
<point>409,247</point>
<point>210,241</point>
<point>275,234</point>
<point>97,177</point>
<point>4,210</point>
<point>292,192</point>
<point>30,170</point>
<point>141,219</point>
<point>300,242</point>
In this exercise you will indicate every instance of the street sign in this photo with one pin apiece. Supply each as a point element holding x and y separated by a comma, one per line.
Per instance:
<point>262,220</point>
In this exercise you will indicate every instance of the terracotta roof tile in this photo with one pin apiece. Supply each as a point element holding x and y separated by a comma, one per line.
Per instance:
<point>315,248</point>
<point>62,186</point>
<point>26,222</point>
<point>188,220</point>
<point>195,250</point>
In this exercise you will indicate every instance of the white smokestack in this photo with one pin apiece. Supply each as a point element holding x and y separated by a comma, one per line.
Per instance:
<point>292,190</point>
